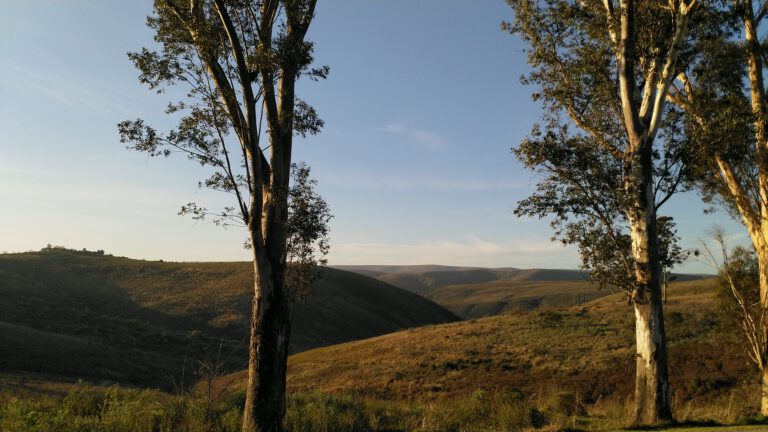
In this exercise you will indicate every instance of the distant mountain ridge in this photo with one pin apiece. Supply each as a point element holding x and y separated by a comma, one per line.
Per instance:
<point>473,292</point>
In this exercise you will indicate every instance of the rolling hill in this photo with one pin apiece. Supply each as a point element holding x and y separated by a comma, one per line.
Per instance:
<point>86,315</point>
<point>586,350</point>
<point>474,292</point>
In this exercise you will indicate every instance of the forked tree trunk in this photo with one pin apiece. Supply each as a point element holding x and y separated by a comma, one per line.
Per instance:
<point>271,312</point>
<point>652,402</point>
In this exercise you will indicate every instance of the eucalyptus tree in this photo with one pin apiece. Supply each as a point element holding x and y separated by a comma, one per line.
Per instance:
<point>606,68</point>
<point>727,107</point>
<point>239,61</point>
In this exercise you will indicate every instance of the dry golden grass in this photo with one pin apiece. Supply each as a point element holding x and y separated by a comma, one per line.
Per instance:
<point>586,351</point>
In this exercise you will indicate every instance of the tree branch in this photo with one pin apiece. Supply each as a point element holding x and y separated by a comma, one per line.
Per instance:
<point>667,74</point>
<point>748,213</point>
<point>625,60</point>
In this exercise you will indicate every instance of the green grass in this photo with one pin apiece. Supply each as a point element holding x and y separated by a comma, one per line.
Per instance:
<point>107,409</point>
<point>87,408</point>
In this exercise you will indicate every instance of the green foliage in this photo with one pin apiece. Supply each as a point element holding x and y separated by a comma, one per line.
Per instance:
<point>563,403</point>
<point>589,184</point>
<point>670,252</point>
<point>307,230</point>
<point>582,190</point>
<point>718,117</point>
<point>61,250</point>
<point>739,281</point>
<point>228,57</point>
<point>741,273</point>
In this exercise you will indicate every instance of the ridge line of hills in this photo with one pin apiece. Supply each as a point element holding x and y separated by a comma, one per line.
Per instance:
<point>475,292</point>
<point>89,315</point>
<point>79,314</point>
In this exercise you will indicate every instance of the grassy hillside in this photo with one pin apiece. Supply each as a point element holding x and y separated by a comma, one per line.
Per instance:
<point>75,314</point>
<point>587,351</point>
<point>393,269</point>
<point>473,292</point>
<point>564,369</point>
<point>497,297</point>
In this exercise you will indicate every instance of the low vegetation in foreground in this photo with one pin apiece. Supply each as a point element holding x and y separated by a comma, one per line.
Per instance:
<point>548,369</point>
<point>566,369</point>
<point>85,408</point>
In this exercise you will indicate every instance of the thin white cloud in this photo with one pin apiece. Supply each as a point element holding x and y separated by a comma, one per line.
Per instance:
<point>67,90</point>
<point>429,139</point>
<point>473,252</point>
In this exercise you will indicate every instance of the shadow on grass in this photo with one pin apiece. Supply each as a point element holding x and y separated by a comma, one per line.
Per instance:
<point>693,424</point>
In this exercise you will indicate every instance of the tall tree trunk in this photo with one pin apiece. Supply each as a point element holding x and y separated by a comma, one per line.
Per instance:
<point>762,261</point>
<point>759,228</point>
<point>269,338</point>
<point>652,403</point>
<point>272,311</point>
<point>764,392</point>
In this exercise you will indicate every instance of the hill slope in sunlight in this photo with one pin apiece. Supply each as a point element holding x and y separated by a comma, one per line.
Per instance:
<point>474,292</point>
<point>587,350</point>
<point>81,314</point>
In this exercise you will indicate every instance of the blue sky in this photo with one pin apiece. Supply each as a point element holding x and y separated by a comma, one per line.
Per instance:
<point>421,108</point>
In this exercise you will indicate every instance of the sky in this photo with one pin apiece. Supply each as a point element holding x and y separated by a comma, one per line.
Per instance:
<point>421,108</point>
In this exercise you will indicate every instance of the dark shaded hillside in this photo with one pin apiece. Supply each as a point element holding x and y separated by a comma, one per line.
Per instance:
<point>473,292</point>
<point>75,314</point>
<point>347,306</point>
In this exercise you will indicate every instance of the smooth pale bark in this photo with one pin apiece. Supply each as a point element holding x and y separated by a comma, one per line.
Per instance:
<point>764,393</point>
<point>762,354</point>
<point>758,232</point>
<point>759,237</point>
<point>652,403</point>
<point>754,212</point>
